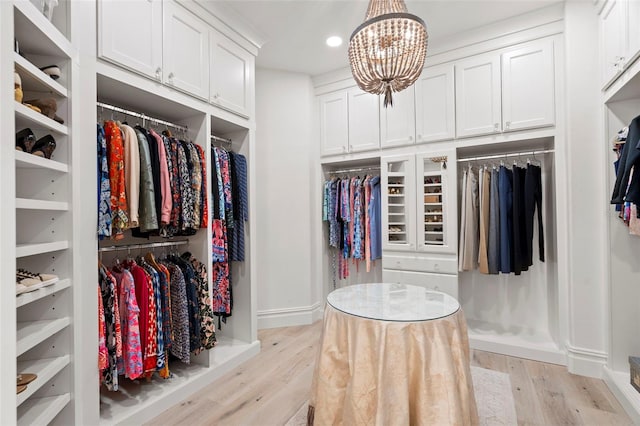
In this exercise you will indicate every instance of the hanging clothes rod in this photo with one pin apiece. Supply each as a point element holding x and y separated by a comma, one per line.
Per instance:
<point>219,139</point>
<point>510,154</point>
<point>354,170</point>
<point>140,115</point>
<point>141,246</point>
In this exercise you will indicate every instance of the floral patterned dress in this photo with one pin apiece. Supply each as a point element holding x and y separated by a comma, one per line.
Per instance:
<point>115,151</point>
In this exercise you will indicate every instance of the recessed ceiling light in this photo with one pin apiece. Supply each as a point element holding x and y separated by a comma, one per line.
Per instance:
<point>334,41</point>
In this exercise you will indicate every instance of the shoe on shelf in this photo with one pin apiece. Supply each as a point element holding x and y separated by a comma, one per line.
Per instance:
<point>44,147</point>
<point>25,140</point>
<point>26,378</point>
<point>52,71</point>
<point>21,388</point>
<point>44,279</point>
<point>48,107</point>
<point>17,85</point>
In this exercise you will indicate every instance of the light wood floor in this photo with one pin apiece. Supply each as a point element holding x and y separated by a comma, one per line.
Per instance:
<point>271,387</point>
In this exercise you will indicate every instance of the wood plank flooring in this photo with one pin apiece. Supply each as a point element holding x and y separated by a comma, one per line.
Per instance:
<point>271,387</point>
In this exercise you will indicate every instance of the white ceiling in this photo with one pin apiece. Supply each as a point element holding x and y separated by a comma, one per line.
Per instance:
<point>295,30</point>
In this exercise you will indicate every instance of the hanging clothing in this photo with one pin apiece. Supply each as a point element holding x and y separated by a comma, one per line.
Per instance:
<point>131,173</point>
<point>485,196</point>
<point>375,213</point>
<point>520,246</point>
<point>493,249</point>
<point>506,219</point>
<point>104,188</point>
<point>463,221</point>
<point>148,217</point>
<point>533,202</point>
<point>115,151</point>
<point>470,247</point>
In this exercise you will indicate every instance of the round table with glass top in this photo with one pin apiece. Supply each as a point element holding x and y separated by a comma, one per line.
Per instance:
<point>392,354</point>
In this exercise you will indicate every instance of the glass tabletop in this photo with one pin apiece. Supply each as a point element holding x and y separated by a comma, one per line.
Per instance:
<point>393,302</point>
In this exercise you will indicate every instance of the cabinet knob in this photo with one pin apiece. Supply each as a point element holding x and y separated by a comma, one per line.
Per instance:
<point>507,124</point>
<point>436,267</point>
<point>410,138</point>
<point>496,127</point>
<point>171,75</point>
<point>216,96</point>
<point>158,71</point>
<point>419,137</point>
<point>344,149</point>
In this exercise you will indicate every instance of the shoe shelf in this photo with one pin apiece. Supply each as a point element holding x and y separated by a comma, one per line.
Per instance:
<point>45,369</point>
<point>26,160</point>
<point>32,296</point>
<point>30,204</point>
<point>35,80</point>
<point>32,333</point>
<point>24,250</point>
<point>36,34</point>
<point>41,411</point>
<point>35,119</point>
<point>432,204</point>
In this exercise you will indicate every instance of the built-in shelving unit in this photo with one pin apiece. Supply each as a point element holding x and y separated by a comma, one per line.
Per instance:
<point>42,222</point>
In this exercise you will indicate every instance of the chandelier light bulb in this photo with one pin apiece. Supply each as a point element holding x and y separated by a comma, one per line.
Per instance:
<point>334,41</point>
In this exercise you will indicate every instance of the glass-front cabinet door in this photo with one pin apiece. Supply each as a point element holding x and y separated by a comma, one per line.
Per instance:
<point>436,201</point>
<point>398,202</point>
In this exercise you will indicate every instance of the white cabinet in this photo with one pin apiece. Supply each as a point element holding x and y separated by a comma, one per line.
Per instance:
<point>527,86</point>
<point>364,121</point>
<point>130,34</point>
<point>434,100</point>
<point>186,51</point>
<point>334,123</point>
<point>478,107</point>
<point>398,122</point>
<point>398,202</point>
<point>612,34</point>
<point>231,75</point>
<point>511,91</point>
<point>349,122</point>
<point>633,30</point>
<point>436,202</point>
<point>419,202</point>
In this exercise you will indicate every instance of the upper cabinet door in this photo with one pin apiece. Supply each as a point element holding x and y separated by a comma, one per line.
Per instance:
<point>398,122</point>
<point>478,109</point>
<point>528,86</point>
<point>612,33</point>
<point>364,121</point>
<point>435,111</point>
<point>334,123</point>
<point>231,75</point>
<point>186,51</point>
<point>130,35</point>
<point>633,30</point>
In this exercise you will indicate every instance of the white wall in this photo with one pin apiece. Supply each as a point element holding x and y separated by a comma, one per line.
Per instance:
<point>587,347</point>
<point>287,155</point>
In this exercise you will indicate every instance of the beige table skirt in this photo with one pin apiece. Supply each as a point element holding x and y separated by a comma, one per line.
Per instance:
<point>371,372</point>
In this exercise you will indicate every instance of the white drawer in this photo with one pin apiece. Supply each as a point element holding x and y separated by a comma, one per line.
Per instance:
<point>440,265</point>
<point>439,282</point>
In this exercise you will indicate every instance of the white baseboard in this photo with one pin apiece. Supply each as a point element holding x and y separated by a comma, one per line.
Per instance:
<point>586,362</point>
<point>629,398</point>
<point>289,317</point>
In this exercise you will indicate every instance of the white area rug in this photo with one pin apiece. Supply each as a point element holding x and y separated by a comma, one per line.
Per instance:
<point>494,399</point>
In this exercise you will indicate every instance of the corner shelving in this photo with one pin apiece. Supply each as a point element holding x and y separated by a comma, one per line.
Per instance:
<point>45,369</point>
<point>30,204</point>
<point>36,34</point>
<point>39,120</point>
<point>34,79</point>
<point>32,333</point>
<point>23,250</point>
<point>26,160</point>
<point>41,411</point>
<point>33,296</point>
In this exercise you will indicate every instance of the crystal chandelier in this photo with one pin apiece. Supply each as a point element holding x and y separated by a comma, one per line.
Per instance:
<point>387,50</point>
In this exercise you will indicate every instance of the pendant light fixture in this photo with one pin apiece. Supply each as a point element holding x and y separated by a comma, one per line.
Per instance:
<point>387,51</point>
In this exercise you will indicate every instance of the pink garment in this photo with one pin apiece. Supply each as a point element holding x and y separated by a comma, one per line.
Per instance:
<point>103,353</point>
<point>129,318</point>
<point>165,181</point>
